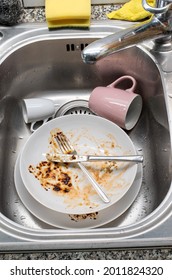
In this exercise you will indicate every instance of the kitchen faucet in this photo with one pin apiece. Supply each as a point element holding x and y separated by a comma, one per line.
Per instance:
<point>158,26</point>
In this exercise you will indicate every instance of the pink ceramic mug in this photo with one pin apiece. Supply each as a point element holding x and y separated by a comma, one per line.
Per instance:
<point>122,106</point>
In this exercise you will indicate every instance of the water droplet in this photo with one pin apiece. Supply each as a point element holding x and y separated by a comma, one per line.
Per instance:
<point>21,137</point>
<point>22,217</point>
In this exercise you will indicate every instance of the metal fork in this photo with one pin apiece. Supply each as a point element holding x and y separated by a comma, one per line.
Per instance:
<point>66,148</point>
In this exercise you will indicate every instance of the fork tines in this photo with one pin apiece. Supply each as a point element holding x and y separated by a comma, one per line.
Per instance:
<point>63,143</point>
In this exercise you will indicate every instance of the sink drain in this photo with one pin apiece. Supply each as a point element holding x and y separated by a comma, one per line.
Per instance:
<point>74,107</point>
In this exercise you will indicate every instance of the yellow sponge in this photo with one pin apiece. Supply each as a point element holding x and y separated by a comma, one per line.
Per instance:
<point>68,13</point>
<point>132,11</point>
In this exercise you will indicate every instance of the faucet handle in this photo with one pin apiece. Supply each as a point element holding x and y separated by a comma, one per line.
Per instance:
<point>154,10</point>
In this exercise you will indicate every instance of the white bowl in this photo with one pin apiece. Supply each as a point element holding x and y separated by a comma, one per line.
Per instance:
<point>89,135</point>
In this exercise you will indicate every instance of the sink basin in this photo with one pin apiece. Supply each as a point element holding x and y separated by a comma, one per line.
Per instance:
<point>37,63</point>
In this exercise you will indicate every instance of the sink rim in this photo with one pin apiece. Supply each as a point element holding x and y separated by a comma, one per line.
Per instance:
<point>161,213</point>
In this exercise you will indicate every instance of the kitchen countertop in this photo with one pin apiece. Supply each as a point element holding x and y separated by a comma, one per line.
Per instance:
<point>38,14</point>
<point>98,12</point>
<point>128,254</point>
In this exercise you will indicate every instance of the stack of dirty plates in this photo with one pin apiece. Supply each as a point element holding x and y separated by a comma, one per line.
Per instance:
<point>59,193</point>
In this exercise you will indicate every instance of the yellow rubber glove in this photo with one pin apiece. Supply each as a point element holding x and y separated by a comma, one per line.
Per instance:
<point>132,11</point>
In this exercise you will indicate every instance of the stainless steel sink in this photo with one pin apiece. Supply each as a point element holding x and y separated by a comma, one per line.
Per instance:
<point>37,63</point>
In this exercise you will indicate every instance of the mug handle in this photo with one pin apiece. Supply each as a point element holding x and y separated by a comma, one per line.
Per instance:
<point>32,126</point>
<point>131,89</point>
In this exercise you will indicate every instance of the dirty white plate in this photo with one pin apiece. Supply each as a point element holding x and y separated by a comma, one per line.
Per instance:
<point>89,135</point>
<point>66,221</point>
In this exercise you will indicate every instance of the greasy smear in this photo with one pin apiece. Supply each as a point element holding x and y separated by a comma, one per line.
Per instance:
<point>52,176</point>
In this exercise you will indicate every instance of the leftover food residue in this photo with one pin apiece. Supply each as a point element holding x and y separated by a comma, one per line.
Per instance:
<point>77,218</point>
<point>68,181</point>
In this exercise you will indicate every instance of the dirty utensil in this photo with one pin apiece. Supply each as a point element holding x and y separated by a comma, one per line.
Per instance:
<point>84,158</point>
<point>66,148</point>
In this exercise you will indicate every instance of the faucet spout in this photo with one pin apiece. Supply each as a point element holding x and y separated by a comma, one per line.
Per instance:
<point>156,27</point>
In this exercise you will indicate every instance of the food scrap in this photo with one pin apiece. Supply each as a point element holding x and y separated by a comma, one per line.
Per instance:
<point>52,176</point>
<point>91,216</point>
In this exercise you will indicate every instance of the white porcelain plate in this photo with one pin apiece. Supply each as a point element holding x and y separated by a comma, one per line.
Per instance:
<point>66,221</point>
<point>89,135</point>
